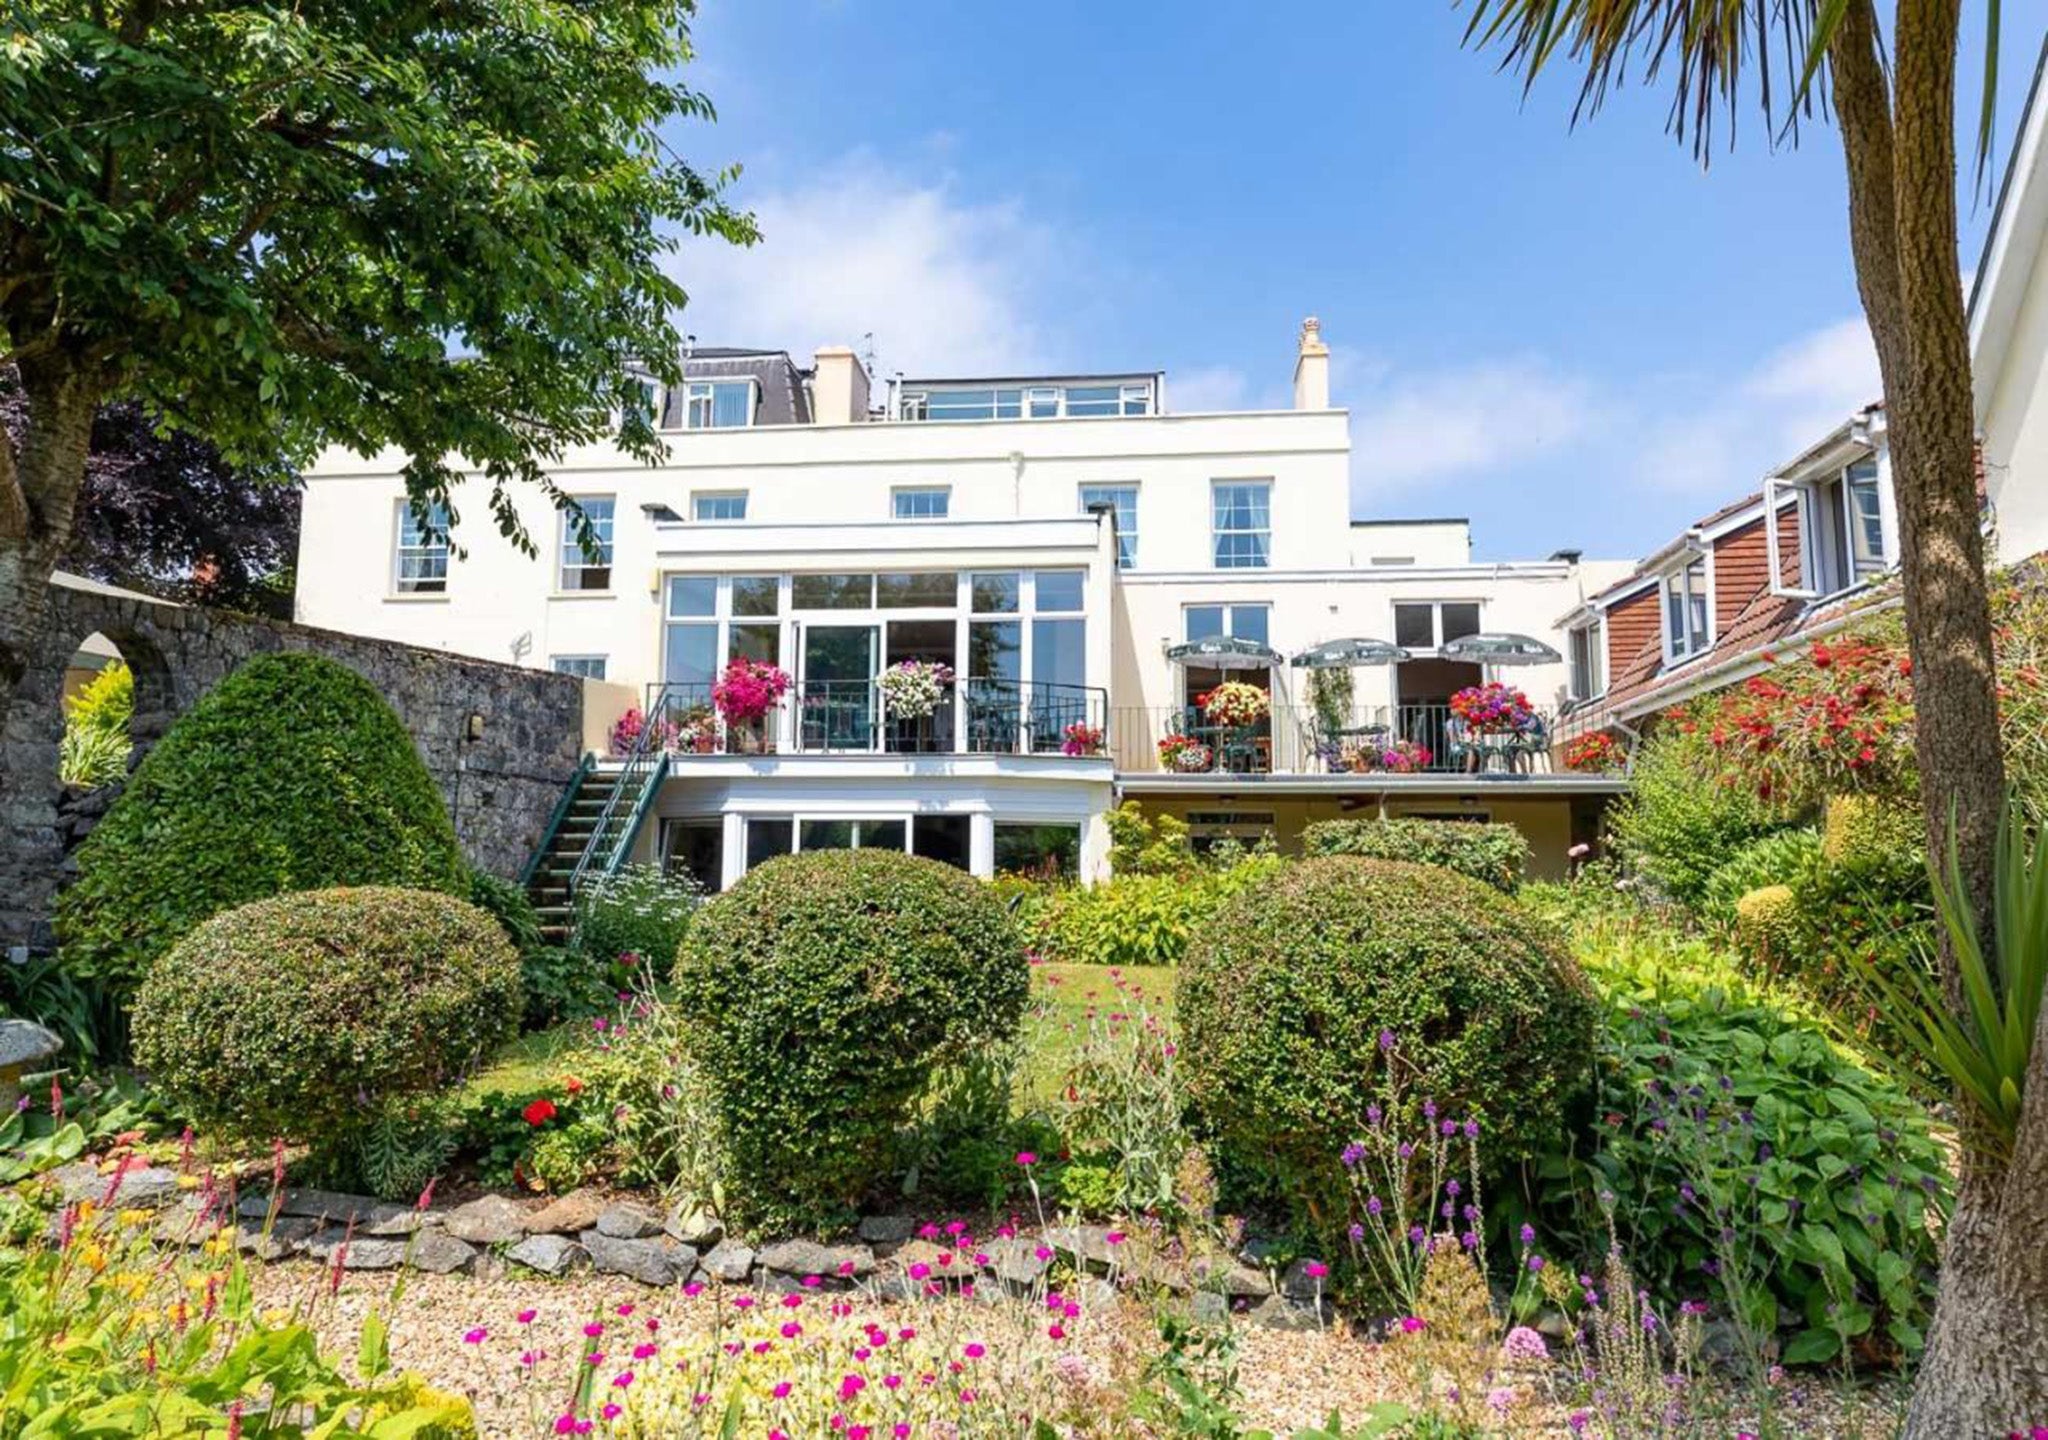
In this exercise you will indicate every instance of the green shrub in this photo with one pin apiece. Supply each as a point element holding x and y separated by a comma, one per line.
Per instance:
<point>291,774</point>
<point>557,983</point>
<point>1130,920</point>
<point>1494,854</point>
<point>1745,1152</point>
<point>1680,822</point>
<point>637,910</point>
<point>302,1016</point>
<point>1767,924</point>
<point>1781,858</point>
<point>1286,993</point>
<point>1869,830</point>
<point>1142,844</point>
<point>824,988</point>
<point>95,746</point>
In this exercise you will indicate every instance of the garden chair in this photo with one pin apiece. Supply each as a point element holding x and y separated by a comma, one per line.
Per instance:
<point>1459,746</point>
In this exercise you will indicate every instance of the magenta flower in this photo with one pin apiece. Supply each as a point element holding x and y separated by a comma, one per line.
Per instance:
<point>1315,1269</point>
<point>526,1316</point>
<point>1114,1237</point>
<point>1026,1158</point>
<point>973,1351</point>
<point>476,1336</point>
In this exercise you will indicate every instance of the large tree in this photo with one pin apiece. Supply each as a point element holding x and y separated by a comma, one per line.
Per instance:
<point>433,226</point>
<point>1893,102</point>
<point>162,512</point>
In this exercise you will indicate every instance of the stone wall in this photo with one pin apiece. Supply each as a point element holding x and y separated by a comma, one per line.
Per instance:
<point>501,786</point>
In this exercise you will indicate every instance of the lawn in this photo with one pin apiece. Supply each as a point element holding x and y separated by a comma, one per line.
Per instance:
<point>1064,998</point>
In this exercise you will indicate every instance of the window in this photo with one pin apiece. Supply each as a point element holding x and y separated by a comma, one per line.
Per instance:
<point>690,647</point>
<point>925,502</point>
<point>1243,622</point>
<point>1242,523</point>
<point>422,560</point>
<point>718,404</point>
<point>719,505</point>
<point>852,835</point>
<point>1429,624</point>
<point>935,590</point>
<point>1098,400</point>
<point>1052,851</point>
<point>1685,611</point>
<point>584,667</point>
<point>834,592</point>
<point>646,399</point>
<point>588,569</point>
<point>1588,676</point>
<point>1842,529</point>
<point>1123,501</point>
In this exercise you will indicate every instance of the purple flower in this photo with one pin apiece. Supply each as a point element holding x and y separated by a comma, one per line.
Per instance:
<point>1386,1039</point>
<point>1353,1153</point>
<point>1372,1204</point>
<point>1528,1234</point>
<point>1471,1129</point>
<point>1535,1264</point>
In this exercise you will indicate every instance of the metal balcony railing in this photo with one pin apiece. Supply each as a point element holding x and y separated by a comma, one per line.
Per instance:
<point>823,717</point>
<point>1293,740</point>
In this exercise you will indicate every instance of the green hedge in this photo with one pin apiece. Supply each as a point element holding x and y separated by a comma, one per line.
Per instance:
<point>1134,919</point>
<point>300,1016</point>
<point>1679,823</point>
<point>1285,994</point>
<point>291,774</point>
<point>1496,855</point>
<point>1731,1125</point>
<point>824,988</point>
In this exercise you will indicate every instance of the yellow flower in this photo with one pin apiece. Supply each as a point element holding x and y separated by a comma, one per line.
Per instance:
<point>131,1217</point>
<point>188,1182</point>
<point>92,1257</point>
<point>219,1244</point>
<point>143,1318</point>
<point>276,1315</point>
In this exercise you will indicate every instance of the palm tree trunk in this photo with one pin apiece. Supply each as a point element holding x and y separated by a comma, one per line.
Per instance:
<point>1986,1367</point>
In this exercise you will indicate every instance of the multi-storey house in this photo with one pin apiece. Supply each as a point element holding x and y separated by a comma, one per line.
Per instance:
<point>1087,562</point>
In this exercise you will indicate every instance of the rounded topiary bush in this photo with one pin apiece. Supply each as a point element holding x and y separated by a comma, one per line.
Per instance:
<point>300,1015</point>
<point>291,774</point>
<point>824,988</point>
<point>1285,993</point>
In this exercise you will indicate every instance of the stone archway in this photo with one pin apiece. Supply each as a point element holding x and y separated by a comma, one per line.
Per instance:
<point>500,741</point>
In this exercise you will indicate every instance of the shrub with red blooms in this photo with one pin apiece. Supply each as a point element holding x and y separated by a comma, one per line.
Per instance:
<point>1596,753</point>
<point>1840,720</point>
<point>824,988</point>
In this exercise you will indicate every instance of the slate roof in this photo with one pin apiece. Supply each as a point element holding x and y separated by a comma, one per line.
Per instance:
<point>784,398</point>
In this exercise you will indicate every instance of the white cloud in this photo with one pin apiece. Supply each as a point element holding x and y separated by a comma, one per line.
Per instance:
<point>945,285</point>
<point>1437,424</point>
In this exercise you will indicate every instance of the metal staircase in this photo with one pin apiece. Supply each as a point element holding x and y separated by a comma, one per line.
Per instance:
<point>591,833</point>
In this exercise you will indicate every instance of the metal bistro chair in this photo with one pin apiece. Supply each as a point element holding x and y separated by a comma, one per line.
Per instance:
<point>1459,747</point>
<point>1532,744</point>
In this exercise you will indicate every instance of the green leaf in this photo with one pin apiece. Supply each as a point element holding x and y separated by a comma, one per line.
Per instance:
<point>373,1347</point>
<point>1812,1347</point>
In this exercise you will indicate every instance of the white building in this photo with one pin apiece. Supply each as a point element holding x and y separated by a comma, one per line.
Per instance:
<point>1048,538</point>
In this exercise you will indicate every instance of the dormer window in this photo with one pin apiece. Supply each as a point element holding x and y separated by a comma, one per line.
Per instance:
<point>1588,661</point>
<point>1844,534</point>
<point>1686,611</point>
<point>1043,401</point>
<point>718,404</point>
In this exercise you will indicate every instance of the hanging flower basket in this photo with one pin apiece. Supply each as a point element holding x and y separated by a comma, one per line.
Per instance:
<point>748,690</point>
<point>1184,756</point>
<point>913,689</point>
<point>1235,703</point>
<point>1493,708</point>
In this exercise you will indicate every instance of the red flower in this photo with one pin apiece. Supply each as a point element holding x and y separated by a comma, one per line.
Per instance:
<point>539,1112</point>
<point>572,1085</point>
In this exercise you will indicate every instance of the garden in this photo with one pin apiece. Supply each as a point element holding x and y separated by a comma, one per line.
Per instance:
<point>1381,1139</point>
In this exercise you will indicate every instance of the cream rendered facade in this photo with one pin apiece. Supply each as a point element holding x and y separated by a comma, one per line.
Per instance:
<point>821,498</point>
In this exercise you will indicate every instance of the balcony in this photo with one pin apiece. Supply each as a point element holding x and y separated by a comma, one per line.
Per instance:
<point>851,717</point>
<point>1386,741</point>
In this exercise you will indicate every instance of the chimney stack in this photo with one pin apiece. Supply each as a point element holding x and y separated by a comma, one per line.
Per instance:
<point>839,387</point>
<point>1312,368</point>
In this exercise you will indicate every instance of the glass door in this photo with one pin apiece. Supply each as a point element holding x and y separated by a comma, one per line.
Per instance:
<point>929,642</point>
<point>836,697</point>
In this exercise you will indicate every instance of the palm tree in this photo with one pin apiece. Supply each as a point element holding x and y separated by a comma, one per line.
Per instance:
<point>1986,1367</point>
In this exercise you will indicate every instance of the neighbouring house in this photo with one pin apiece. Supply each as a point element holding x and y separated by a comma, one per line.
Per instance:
<point>2009,341</point>
<point>1085,560</point>
<point>1742,588</point>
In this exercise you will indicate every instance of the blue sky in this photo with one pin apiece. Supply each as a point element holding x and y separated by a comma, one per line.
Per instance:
<point>1575,337</point>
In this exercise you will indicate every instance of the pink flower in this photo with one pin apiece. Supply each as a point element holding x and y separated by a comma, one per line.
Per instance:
<point>1026,1158</point>
<point>1315,1269</point>
<point>1114,1237</point>
<point>1412,1323</point>
<point>526,1316</point>
<point>1056,1331</point>
<point>973,1351</point>
<point>792,1330</point>
<point>593,1329</point>
<point>644,1352</point>
<point>611,1411</point>
<point>781,1390</point>
<point>476,1336</point>
<point>623,1379</point>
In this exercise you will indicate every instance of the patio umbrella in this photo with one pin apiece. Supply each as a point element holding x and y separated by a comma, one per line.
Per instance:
<point>1499,650</point>
<point>1225,652</point>
<point>1342,654</point>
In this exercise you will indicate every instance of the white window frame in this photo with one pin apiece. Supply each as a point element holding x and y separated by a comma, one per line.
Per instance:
<point>916,495</point>
<point>1436,619</point>
<point>1810,498</point>
<point>1229,609</point>
<point>698,497</point>
<point>1594,634</point>
<point>1126,536</point>
<point>706,391</point>
<point>1216,534</point>
<point>571,558</point>
<point>1688,646</point>
<point>566,665</point>
<point>424,548</point>
<point>1040,400</point>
